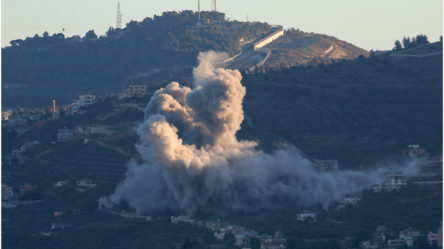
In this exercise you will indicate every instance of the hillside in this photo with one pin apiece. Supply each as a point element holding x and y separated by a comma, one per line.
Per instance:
<point>357,111</point>
<point>299,48</point>
<point>42,68</point>
<point>157,50</point>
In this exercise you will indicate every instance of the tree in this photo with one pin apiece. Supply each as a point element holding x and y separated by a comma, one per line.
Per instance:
<point>90,35</point>
<point>398,46</point>
<point>255,243</point>
<point>406,42</point>
<point>421,39</point>
<point>229,239</point>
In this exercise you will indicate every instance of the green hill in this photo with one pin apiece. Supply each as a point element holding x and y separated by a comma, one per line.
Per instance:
<point>39,69</point>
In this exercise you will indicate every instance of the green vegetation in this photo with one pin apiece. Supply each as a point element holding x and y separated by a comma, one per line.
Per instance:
<point>39,69</point>
<point>410,43</point>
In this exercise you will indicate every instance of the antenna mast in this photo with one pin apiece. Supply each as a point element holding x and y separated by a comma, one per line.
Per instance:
<point>119,17</point>
<point>213,5</point>
<point>198,8</point>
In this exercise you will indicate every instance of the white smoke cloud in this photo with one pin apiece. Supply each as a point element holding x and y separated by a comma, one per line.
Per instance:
<point>193,159</point>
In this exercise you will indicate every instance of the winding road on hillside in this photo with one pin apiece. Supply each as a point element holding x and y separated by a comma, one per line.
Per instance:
<point>329,51</point>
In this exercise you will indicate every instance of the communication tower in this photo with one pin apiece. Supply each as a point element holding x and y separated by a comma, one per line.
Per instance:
<point>213,5</point>
<point>198,9</point>
<point>119,17</point>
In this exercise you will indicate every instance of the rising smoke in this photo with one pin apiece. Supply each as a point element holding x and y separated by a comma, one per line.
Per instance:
<point>193,159</point>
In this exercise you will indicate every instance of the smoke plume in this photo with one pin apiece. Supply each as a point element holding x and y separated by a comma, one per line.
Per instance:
<point>193,159</point>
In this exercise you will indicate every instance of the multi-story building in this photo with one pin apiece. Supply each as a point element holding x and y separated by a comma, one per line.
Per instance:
<point>305,215</point>
<point>83,101</point>
<point>104,202</point>
<point>430,168</point>
<point>182,218</point>
<point>351,198</point>
<point>133,90</point>
<point>85,183</point>
<point>5,115</point>
<point>7,192</point>
<point>395,181</point>
<point>64,135</point>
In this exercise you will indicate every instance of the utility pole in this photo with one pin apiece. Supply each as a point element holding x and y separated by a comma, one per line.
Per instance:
<point>213,5</point>
<point>198,9</point>
<point>119,17</point>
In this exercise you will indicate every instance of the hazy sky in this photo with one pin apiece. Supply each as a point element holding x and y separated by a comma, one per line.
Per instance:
<point>369,24</point>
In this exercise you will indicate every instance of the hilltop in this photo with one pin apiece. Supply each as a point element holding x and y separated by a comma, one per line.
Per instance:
<point>154,51</point>
<point>39,69</point>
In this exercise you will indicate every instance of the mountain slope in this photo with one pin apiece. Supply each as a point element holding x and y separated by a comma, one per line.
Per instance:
<point>359,112</point>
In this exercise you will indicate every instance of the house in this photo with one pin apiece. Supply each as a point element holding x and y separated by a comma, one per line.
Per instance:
<point>103,129</point>
<point>367,244</point>
<point>409,233</point>
<point>58,213</point>
<point>242,240</point>
<point>435,237</point>
<point>133,90</point>
<point>7,192</point>
<point>305,215</point>
<point>396,242</point>
<point>64,135</point>
<point>83,101</point>
<point>326,165</point>
<point>59,225</point>
<point>352,198</point>
<point>395,180</point>
<point>182,218</point>
<point>382,234</point>
<point>26,188</point>
<point>149,218</point>
<point>415,152</point>
<point>212,225</point>
<point>273,245</point>
<point>60,184</point>
<point>85,183</point>
<point>430,168</point>
<point>5,115</point>
<point>104,202</point>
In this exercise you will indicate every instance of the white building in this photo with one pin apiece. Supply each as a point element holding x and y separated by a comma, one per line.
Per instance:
<point>182,218</point>
<point>305,215</point>
<point>352,198</point>
<point>85,183</point>
<point>133,90</point>
<point>60,184</point>
<point>64,135</point>
<point>5,115</point>
<point>395,181</point>
<point>104,202</point>
<point>7,192</point>
<point>83,101</point>
<point>103,129</point>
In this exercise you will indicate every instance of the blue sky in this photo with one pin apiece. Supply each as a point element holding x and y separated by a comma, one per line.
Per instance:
<point>373,24</point>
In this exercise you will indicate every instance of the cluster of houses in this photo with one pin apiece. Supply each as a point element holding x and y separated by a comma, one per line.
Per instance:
<point>241,234</point>
<point>17,153</point>
<point>427,165</point>
<point>385,238</point>
<point>65,134</point>
<point>8,192</point>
